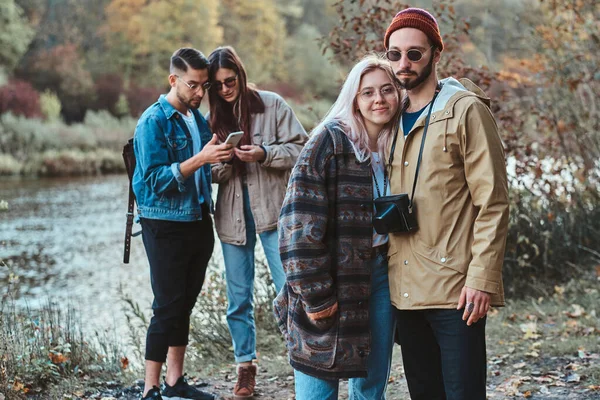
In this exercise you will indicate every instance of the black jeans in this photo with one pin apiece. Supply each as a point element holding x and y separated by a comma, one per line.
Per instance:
<point>178,253</point>
<point>444,359</point>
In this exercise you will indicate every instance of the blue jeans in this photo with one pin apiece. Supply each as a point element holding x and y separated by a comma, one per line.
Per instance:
<point>239,274</point>
<point>381,325</point>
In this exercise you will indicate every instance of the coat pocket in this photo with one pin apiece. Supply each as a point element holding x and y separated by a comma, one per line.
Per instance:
<point>312,343</point>
<point>431,255</point>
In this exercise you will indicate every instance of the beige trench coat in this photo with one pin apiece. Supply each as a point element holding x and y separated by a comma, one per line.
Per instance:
<point>283,137</point>
<point>461,203</point>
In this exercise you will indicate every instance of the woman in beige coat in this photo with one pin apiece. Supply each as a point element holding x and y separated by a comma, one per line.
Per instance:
<point>251,190</point>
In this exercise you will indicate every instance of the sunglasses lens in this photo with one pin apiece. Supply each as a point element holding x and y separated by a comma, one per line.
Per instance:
<point>230,82</point>
<point>393,55</point>
<point>414,55</point>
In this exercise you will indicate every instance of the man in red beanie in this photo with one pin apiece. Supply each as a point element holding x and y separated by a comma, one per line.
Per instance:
<point>446,271</point>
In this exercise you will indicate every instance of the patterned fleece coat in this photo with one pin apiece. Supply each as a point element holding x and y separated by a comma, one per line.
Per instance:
<point>325,239</point>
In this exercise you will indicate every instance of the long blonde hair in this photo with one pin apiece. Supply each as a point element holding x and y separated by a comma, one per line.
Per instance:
<point>345,109</point>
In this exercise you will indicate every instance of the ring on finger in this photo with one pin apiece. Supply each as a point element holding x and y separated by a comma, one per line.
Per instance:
<point>470,307</point>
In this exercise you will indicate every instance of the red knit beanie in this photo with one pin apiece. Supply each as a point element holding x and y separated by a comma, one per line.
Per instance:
<point>419,19</point>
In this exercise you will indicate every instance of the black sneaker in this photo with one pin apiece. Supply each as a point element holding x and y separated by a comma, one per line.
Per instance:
<point>153,394</point>
<point>183,391</point>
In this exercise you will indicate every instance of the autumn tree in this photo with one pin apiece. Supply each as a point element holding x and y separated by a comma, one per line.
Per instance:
<point>257,30</point>
<point>15,34</point>
<point>141,35</point>
<point>61,69</point>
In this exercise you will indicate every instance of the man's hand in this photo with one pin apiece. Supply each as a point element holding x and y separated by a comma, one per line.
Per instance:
<point>250,153</point>
<point>213,152</point>
<point>477,304</point>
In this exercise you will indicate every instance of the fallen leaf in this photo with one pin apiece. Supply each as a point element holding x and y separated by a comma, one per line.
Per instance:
<point>572,367</point>
<point>519,365</point>
<point>57,358</point>
<point>572,323</point>
<point>533,354</point>
<point>578,311</point>
<point>572,378</point>
<point>559,290</point>
<point>527,394</point>
<point>530,330</point>
<point>124,362</point>
<point>544,379</point>
<point>17,386</point>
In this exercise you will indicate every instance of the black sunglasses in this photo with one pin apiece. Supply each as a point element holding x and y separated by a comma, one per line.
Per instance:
<point>229,82</point>
<point>413,55</point>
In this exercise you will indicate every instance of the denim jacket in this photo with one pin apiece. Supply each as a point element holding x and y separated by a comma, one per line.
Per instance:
<point>161,142</point>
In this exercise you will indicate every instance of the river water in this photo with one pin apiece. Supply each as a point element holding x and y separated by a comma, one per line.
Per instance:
<point>63,238</point>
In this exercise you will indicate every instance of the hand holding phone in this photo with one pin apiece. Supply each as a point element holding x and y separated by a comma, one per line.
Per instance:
<point>234,138</point>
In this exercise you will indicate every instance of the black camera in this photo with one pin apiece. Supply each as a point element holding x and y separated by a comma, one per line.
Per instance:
<point>393,214</point>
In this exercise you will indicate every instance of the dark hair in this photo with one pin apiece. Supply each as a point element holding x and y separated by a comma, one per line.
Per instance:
<point>225,117</point>
<point>187,57</point>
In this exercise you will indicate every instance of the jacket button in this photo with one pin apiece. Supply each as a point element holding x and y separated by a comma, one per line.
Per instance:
<point>239,220</point>
<point>363,206</point>
<point>405,262</point>
<point>361,353</point>
<point>406,163</point>
<point>443,259</point>
<point>433,117</point>
<point>405,295</point>
<point>360,303</point>
<point>237,195</point>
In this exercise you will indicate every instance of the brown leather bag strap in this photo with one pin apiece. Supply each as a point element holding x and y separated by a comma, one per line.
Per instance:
<point>129,159</point>
<point>128,226</point>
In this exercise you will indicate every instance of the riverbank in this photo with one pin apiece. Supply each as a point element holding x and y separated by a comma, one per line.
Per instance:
<point>32,147</point>
<point>544,348</point>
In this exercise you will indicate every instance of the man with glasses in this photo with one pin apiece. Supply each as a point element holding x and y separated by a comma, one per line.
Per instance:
<point>172,184</point>
<point>445,275</point>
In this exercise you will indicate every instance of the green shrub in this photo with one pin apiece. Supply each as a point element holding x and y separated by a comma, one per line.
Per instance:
<point>310,113</point>
<point>9,165</point>
<point>53,163</point>
<point>549,242</point>
<point>50,105</point>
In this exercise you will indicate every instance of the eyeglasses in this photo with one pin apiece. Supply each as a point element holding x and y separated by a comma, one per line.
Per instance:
<point>387,91</point>
<point>413,55</point>
<point>229,82</point>
<point>205,86</point>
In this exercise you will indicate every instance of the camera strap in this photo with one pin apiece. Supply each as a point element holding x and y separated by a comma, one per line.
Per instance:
<point>385,179</point>
<point>393,149</point>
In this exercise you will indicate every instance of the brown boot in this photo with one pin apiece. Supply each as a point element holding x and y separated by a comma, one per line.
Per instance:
<point>244,387</point>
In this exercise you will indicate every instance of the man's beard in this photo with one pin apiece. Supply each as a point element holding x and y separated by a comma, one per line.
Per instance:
<point>408,84</point>
<point>188,101</point>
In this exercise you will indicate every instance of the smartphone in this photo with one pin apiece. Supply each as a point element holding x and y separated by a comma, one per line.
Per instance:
<point>234,138</point>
